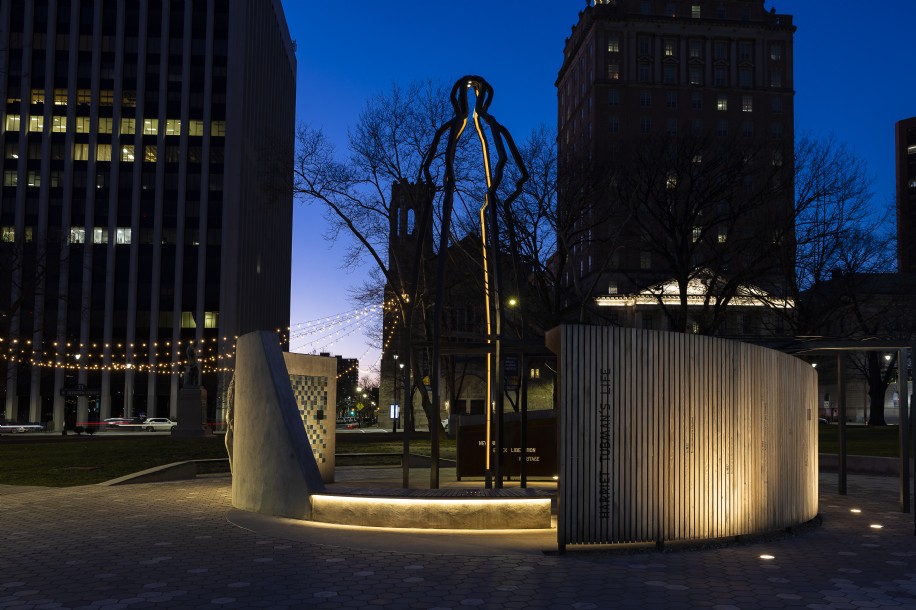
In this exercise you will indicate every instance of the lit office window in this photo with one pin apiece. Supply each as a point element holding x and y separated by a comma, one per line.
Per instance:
<point>195,128</point>
<point>187,320</point>
<point>127,153</point>
<point>150,153</point>
<point>173,127</point>
<point>60,97</point>
<point>211,319</point>
<point>671,180</point>
<point>150,127</point>
<point>99,235</point>
<point>105,124</point>
<point>12,122</point>
<point>613,43</point>
<point>129,99</point>
<point>38,96</point>
<point>722,235</point>
<point>10,178</point>
<point>695,11</point>
<point>58,124</point>
<point>669,47</point>
<point>722,102</point>
<point>106,97</point>
<point>8,234</point>
<point>747,103</point>
<point>535,373</point>
<point>128,127</point>
<point>82,124</point>
<point>697,234</point>
<point>77,235</point>
<point>218,128</point>
<point>103,152</point>
<point>33,179</point>
<point>613,71</point>
<point>122,236</point>
<point>80,152</point>
<point>84,97</point>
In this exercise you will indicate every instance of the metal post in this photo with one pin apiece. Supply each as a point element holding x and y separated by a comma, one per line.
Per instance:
<point>841,424</point>
<point>902,407</point>
<point>523,438</point>
<point>405,409</point>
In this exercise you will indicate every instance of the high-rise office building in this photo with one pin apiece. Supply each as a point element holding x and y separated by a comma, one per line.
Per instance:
<point>146,215</point>
<point>905,153</point>
<point>646,81</point>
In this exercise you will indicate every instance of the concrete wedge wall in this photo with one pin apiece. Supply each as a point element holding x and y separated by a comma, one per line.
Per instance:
<point>273,468</point>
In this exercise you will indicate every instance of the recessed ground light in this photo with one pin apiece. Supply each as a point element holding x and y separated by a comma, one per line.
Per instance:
<point>875,526</point>
<point>767,557</point>
<point>855,510</point>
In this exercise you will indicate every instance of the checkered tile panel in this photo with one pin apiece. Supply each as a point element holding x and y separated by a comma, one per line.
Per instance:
<point>312,395</point>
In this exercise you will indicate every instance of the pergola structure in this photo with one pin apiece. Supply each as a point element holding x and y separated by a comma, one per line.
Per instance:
<point>840,347</point>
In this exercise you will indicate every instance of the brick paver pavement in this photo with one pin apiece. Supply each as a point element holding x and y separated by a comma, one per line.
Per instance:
<point>180,545</point>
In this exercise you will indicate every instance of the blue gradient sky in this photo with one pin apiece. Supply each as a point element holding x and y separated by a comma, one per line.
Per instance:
<point>853,79</point>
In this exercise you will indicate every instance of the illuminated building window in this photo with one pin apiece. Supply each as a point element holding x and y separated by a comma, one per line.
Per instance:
<point>218,128</point>
<point>8,234</point>
<point>195,128</point>
<point>696,48</point>
<point>82,124</point>
<point>911,150</point>
<point>38,96</point>
<point>150,153</point>
<point>122,236</point>
<point>695,75</point>
<point>105,125</point>
<point>128,127</point>
<point>669,47</point>
<point>106,98</point>
<point>535,373</point>
<point>645,98</point>
<point>77,235</point>
<point>12,122</point>
<point>127,153</point>
<point>775,52</point>
<point>695,11</point>
<point>56,179</point>
<point>103,152</point>
<point>913,183</point>
<point>613,43</point>
<point>33,179</point>
<point>697,234</point>
<point>613,71</point>
<point>129,99</point>
<point>645,260</point>
<point>671,180</point>
<point>722,236</point>
<point>722,102</point>
<point>150,127</point>
<point>747,103</point>
<point>58,124</point>
<point>80,152</point>
<point>60,97</point>
<point>211,319</point>
<point>84,97</point>
<point>173,127</point>
<point>99,235</point>
<point>187,320</point>
<point>10,178</point>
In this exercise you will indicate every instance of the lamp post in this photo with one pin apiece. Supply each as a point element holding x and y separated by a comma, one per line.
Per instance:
<point>394,394</point>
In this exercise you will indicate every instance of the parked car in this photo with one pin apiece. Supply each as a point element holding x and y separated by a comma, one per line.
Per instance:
<point>154,424</point>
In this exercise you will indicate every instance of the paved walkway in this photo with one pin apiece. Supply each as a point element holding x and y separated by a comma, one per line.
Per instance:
<point>181,545</point>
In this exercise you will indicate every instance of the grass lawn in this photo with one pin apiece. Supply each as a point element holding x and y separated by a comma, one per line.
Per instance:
<point>881,441</point>
<point>85,460</point>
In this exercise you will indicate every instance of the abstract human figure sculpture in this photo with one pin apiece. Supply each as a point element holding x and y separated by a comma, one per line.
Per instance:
<point>489,215</point>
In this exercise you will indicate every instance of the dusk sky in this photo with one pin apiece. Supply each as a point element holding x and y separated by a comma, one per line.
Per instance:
<point>853,79</point>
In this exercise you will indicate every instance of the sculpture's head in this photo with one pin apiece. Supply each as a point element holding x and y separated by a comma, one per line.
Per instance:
<point>483,93</point>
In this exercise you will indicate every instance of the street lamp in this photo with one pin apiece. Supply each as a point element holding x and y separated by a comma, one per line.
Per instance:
<point>394,395</point>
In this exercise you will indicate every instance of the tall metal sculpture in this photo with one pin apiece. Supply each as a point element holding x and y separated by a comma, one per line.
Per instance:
<point>491,245</point>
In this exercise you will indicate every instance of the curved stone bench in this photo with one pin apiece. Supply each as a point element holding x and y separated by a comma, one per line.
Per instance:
<point>451,508</point>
